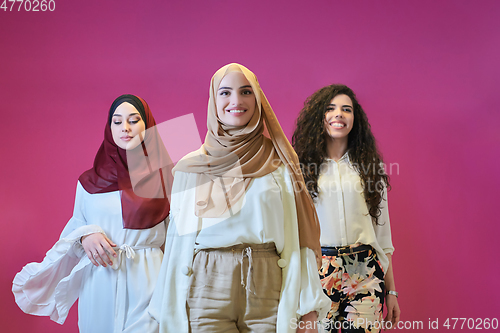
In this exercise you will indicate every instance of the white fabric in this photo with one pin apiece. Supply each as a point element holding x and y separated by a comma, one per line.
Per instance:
<point>343,214</point>
<point>267,215</point>
<point>111,299</point>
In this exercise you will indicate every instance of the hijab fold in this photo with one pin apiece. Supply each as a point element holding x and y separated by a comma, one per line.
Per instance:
<point>142,174</point>
<point>231,156</point>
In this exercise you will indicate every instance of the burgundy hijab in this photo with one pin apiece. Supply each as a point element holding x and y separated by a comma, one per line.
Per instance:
<point>144,201</point>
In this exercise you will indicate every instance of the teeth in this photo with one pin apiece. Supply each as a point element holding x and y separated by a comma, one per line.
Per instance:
<point>339,125</point>
<point>236,111</point>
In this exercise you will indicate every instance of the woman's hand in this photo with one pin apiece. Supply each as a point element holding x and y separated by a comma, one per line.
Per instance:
<point>391,301</point>
<point>308,323</point>
<point>393,311</point>
<point>98,248</point>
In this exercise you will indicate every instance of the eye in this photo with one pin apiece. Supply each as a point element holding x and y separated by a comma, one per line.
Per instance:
<point>347,109</point>
<point>224,93</point>
<point>247,92</point>
<point>117,122</point>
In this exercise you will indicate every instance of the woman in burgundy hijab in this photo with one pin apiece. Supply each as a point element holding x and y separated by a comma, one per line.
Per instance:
<point>109,253</point>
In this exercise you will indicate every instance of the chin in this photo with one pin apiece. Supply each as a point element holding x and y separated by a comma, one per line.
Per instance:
<point>338,135</point>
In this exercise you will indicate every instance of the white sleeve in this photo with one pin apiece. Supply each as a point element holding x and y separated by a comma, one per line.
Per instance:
<point>383,228</point>
<point>168,303</point>
<point>78,225</point>
<point>311,295</point>
<point>51,287</point>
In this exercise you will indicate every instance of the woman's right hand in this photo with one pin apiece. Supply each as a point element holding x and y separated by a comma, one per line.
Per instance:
<point>98,248</point>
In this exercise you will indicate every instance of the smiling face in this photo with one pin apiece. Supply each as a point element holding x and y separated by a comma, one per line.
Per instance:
<point>126,124</point>
<point>339,117</point>
<point>235,100</point>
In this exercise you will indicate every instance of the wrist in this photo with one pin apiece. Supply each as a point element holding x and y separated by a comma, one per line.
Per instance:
<point>392,292</point>
<point>311,316</point>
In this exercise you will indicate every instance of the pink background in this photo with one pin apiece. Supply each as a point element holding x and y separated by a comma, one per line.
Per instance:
<point>426,72</point>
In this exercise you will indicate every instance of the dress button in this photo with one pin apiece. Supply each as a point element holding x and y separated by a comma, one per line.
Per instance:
<point>186,270</point>
<point>282,263</point>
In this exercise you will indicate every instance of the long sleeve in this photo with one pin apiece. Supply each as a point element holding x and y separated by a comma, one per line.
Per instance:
<point>383,229</point>
<point>311,295</point>
<point>38,287</point>
<point>168,303</point>
<point>78,225</point>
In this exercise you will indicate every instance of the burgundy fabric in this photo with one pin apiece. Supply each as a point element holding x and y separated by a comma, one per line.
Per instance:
<point>145,204</point>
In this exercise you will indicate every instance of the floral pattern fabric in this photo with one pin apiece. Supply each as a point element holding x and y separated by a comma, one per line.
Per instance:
<point>354,282</point>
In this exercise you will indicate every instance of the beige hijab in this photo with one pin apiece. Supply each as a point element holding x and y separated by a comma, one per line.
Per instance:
<point>232,156</point>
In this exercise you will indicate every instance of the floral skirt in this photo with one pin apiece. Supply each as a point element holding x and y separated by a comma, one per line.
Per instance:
<point>354,281</point>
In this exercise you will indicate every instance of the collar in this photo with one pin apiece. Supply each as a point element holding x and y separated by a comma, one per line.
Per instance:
<point>344,157</point>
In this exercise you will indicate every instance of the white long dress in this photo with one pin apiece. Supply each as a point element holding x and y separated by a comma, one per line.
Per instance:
<point>111,299</point>
<point>266,214</point>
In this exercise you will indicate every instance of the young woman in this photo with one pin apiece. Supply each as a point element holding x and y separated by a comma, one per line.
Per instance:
<point>109,253</point>
<point>240,251</point>
<point>344,174</point>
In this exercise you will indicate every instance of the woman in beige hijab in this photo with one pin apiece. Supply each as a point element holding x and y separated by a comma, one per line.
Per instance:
<point>243,241</point>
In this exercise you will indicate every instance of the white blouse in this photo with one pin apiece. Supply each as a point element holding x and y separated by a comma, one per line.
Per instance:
<point>261,219</point>
<point>343,214</point>
<point>265,214</point>
<point>110,299</point>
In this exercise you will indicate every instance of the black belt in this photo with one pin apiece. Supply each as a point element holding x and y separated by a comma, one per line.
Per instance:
<point>344,250</point>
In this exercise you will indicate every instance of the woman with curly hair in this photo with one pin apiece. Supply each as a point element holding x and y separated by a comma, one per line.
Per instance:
<point>345,176</point>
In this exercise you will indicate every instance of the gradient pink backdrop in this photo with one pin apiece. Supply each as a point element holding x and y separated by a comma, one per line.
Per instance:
<point>426,72</point>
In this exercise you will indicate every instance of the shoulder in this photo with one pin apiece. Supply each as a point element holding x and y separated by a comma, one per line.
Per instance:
<point>281,170</point>
<point>80,189</point>
<point>279,174</point>
<point>283,178</point>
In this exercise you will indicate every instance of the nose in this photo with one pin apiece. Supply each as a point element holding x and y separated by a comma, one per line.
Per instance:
<point>126,127</point>
<point>338,114</point>
<point>235,99</point>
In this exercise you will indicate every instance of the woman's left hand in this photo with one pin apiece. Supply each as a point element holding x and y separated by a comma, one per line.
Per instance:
<point>308,323</point>
<point>393,311</point>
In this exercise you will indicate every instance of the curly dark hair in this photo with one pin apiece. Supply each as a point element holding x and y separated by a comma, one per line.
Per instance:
<point>309,141</point>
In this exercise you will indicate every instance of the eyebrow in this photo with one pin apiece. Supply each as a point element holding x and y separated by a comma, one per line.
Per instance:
<point>248,86</point>
<point>349,106</point>
<point>132,114</point>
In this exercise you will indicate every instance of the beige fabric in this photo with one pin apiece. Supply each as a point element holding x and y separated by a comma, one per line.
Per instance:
<point>232,156</point>
<point>235,289</point>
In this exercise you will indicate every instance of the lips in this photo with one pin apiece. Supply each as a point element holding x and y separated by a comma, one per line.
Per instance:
<point>126,138</point>
<point>236,112</point>
<point>337,124</point>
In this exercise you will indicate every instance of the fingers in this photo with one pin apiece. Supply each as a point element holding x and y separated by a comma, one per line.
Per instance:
<point>97,246</point>
<point>95,258</point>
<point>107,245</point>
<point>101,257</point>
<point>91,258</point>
<point>389,317</point>
<point>389,312</point>
<point>109,241</point>
<point>104,254</point>
<point>393,314</point>
<point>396,314</point>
